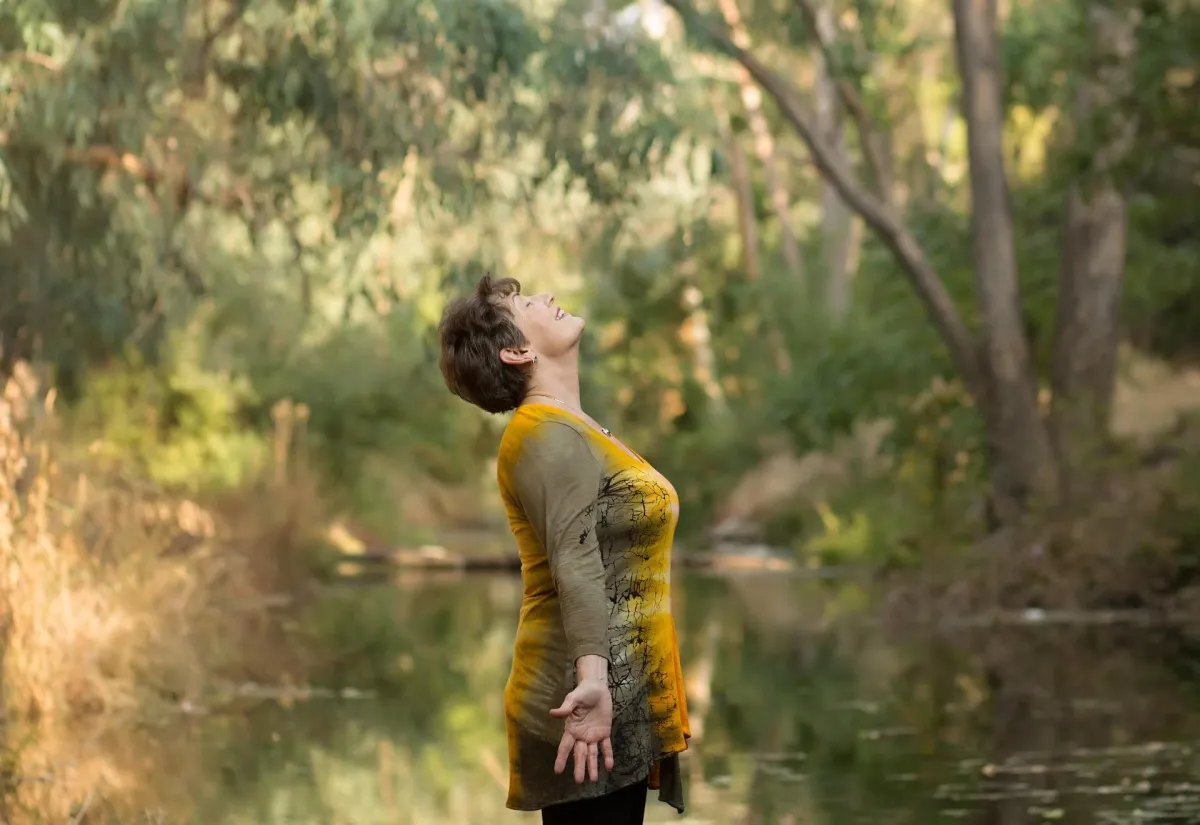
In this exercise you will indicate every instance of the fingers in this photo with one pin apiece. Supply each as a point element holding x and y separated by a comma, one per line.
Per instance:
<point>581,753</point>
<point>585,757</point>
<point>593,762</point>
<point>606,746</point>
<point>564,710</point>
<point>564,750</point>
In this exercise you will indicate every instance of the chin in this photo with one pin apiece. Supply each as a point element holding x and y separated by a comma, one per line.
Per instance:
<point>568,339</point>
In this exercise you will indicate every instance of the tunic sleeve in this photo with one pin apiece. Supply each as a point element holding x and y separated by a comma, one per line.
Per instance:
<point>557,479</point>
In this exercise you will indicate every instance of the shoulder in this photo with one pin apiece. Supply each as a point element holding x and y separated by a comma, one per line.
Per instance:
<point>542,432</point>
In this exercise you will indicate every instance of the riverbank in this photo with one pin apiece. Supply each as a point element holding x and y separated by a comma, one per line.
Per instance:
<point>126,604</point>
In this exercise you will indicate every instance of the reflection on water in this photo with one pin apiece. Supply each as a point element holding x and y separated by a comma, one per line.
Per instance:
<point>801,716</point>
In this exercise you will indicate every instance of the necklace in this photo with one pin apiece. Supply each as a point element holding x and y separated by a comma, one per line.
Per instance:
<point>604,430</point>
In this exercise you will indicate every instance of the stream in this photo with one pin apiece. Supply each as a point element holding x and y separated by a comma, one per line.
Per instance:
<point>802,711</point>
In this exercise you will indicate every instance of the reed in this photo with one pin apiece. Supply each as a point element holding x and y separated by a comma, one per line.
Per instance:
<point>120,602</point>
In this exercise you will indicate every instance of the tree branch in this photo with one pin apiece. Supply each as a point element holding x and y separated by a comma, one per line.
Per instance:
<point>36,59</point>
<point>764,143</point>
<point>172,182</point>
<point>867,134</point>
<point>212,33</point>
<point>877,214</point>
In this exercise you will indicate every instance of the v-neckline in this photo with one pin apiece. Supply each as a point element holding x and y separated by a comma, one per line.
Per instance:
<point>625,448</point>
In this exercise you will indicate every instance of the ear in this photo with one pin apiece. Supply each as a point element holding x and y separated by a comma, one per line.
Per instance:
<point>518,356</point>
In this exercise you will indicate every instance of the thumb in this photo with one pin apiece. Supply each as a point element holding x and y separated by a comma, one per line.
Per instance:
<point>564,710</point>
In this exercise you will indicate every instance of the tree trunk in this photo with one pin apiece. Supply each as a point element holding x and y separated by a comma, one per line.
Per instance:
<point>1023,464</point>
<point>696,335</point>
<point>764,144</point>
<point>840,232</point>
<point>1093,259</point>
<point>739,173</point>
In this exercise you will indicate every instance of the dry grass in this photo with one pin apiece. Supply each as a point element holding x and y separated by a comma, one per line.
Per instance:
<point>119,602</point>
<point>100,773</point>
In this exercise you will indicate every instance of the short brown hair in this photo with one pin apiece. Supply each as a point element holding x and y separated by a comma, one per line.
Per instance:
<point>473,331</point>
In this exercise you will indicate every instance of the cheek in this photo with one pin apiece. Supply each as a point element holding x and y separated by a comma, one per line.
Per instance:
<point>527,324</point>
<point>534,330</point>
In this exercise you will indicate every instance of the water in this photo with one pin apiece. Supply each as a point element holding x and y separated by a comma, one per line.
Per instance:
<point>803,713</point>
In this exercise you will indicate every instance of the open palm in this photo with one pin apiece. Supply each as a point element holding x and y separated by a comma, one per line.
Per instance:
<point>587,732</point>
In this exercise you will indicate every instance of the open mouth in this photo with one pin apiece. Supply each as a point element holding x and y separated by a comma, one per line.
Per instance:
<point>558,314</point>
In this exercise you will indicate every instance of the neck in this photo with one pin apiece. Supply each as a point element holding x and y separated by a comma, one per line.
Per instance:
<point>558,379</point>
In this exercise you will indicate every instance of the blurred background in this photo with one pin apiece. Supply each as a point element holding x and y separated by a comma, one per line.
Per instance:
<point>904,297</point>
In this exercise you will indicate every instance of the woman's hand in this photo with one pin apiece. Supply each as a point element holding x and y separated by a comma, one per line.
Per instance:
<point>588,712</point>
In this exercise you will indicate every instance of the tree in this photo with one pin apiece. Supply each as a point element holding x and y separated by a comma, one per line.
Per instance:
<point>141,141</point>
<point>1094,247</point>
<point>995,364</point>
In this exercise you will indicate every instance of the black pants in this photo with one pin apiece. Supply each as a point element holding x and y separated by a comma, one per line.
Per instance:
<point>624,807</point>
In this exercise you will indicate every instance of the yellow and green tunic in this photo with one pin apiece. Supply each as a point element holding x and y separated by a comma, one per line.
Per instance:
<point>594,523</point>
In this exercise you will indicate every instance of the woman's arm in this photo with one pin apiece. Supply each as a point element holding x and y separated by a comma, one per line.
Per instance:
<point>591,667</point>
<point>557,480</point>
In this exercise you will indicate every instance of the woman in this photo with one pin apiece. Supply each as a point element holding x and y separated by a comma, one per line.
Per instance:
<point>595,679</point>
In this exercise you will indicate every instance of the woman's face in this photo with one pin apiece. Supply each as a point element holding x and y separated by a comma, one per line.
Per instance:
<point>550,330</point>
